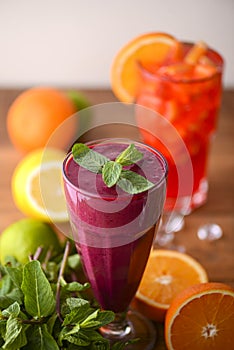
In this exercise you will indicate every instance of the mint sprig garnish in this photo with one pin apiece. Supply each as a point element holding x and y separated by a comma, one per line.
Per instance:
<point>113,172</point>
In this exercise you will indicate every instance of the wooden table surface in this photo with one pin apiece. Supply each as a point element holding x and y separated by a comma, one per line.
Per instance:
<point>216,256</point>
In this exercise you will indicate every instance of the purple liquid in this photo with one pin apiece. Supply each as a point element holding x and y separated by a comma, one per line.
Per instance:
<point>113,230</point>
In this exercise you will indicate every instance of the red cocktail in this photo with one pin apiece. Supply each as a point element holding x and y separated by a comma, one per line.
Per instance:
<point>186,90</point>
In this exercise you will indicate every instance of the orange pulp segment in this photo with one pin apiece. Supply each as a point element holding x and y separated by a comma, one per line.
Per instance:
<point>167,273</point>
<point>201,317</point>
<point>197,51</point>
<point>151,50</point>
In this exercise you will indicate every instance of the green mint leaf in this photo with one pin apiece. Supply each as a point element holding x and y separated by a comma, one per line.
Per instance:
<point>111,172</point>
<point>78,314</point>
<point>129,156</point>
<point>96,339</point>
<point>38,295</point>
<point>133,183</point>
<point>74,330</point>
<point>91,338</point>
<point>13,310</point>
<point>105,317</point>
<point>15,337</point>
<point>79,338</point>
<point>12,296</point>
<point>76,287</point>
<point>16,275</point>
<point>40,339</point>
<point>74,261</point>
<point>9,293</point>
<point>90,320</point>
<point>74,303</point>
<point>6,284</point>
<point>71,304</point>
<point>88,158</point>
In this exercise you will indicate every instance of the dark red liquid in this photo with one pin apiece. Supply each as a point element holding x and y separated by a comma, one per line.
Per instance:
<point>113,230</point>
<point>114,273</point>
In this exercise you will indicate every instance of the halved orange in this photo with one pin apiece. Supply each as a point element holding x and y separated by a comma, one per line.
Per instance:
<point>201,317</point>
<point>151,50</point>
<point>167,273</point>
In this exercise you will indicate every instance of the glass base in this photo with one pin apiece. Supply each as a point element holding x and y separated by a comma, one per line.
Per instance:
<point>133,326</point>
<point>199,198</point>
<point>186,204</point>
<point>170,224</point>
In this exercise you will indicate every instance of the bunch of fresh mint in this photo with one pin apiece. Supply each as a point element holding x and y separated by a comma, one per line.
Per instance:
<point>113,171</point>
<point>40,310</point>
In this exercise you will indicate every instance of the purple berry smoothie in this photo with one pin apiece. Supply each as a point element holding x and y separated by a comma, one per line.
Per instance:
<point>114,230</point>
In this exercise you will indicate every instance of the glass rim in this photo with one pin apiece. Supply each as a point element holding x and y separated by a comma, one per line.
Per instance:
<point>124,194</point>
<point>152,75</point>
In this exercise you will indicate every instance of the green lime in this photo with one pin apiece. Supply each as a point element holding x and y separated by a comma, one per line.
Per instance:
<point>22,238</point>
<point>79,99</point>
<point>84,113</point>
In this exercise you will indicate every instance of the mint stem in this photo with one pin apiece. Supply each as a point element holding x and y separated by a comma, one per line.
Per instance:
<point>60,276</point>
<point>47,258</point>
<point>36,255</point>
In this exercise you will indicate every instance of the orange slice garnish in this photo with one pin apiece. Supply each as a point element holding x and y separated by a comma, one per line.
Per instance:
<point>150,50</point>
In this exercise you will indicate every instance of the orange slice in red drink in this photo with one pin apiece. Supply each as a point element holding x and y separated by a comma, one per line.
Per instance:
<point>197,51</point>
<point>202,71</point>
<point>151,50</point>
<point>180,71</point>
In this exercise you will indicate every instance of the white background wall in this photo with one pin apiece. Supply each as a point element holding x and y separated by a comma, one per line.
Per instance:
<point>71,43</point>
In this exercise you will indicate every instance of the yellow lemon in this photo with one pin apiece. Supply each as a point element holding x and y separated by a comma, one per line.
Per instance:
<point>37,187</point>
<point>22,238</point>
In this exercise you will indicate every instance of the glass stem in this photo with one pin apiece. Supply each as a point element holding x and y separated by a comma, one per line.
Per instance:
<point>117,329</point>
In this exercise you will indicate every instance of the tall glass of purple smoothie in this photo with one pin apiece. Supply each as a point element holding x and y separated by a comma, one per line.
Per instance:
<point>114,231</point>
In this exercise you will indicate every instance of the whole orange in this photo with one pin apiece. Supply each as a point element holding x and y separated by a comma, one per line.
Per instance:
<point>35,114</point>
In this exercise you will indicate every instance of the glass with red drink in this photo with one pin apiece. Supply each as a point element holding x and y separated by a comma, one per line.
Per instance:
<point>186,90</point>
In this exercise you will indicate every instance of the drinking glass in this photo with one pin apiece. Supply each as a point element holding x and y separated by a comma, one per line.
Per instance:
<point>113,232</point>
<point>188,97</point>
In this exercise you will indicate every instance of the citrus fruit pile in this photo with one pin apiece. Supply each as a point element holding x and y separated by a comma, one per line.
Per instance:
<point>32,120</point>
<point>36,182</point>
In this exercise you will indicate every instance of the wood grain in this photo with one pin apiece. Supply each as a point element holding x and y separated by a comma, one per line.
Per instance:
<point>217,257</point>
